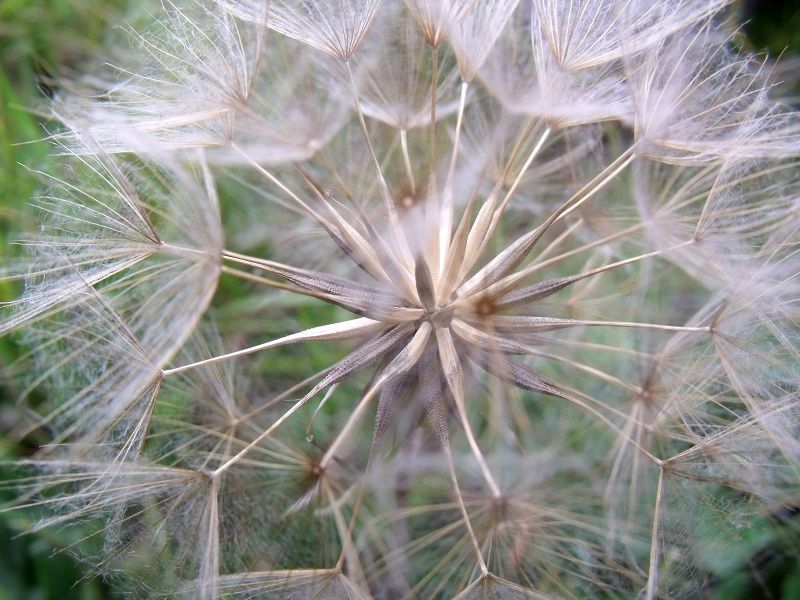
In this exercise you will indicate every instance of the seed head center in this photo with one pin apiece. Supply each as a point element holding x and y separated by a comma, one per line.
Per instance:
<point>441,317</point>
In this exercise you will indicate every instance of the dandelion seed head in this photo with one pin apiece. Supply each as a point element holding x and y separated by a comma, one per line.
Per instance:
<point>514,308</point>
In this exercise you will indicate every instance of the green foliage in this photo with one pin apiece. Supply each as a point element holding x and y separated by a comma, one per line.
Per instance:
<point>35,37</point>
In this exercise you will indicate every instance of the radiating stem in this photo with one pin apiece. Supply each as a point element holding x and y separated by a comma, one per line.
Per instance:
<point>598,183</point>
<point>248,416</point>
<point>407,161</point>
<point>348,549</point>
<point>587,369</point>
<point>262,280</point>
<point>261,437</point>
<point>515,253</point>
<point>369,261</point>
<point>286,190</point>
<point>489,215</point>
<point>509,282</point>
<point>446,211</point>
<point>434,87</point>
<point>454,375</point>
<point>406,359</point>
<point>652,574</point>
<point>536,265</point>
<point>337,331</point>
<point>532,324</point>
<point>464,515</point>
<point>352,419</point>
<point>402,248</point>
<point>321,404</point>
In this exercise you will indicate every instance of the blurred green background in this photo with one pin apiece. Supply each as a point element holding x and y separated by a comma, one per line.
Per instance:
<point>40,39</point>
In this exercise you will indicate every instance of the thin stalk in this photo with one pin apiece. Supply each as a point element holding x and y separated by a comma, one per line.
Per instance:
<point>504,285</point>
<point>407,161</point>
<point>348,548</point>
<point>402,250</point>
<point>462,507</point>
<point>446,211</point>
<point>256,279</point>
<point>529,324</point>
<point>487,221</point>
<point>652,571</point>
<point>538,266</point>
<point>337,331</point>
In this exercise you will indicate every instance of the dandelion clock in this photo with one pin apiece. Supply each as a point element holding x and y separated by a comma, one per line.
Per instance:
<point>381,299</point>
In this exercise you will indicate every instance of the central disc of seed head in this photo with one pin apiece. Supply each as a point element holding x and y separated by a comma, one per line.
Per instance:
<point>441,317</point>
<point>437,314</point>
